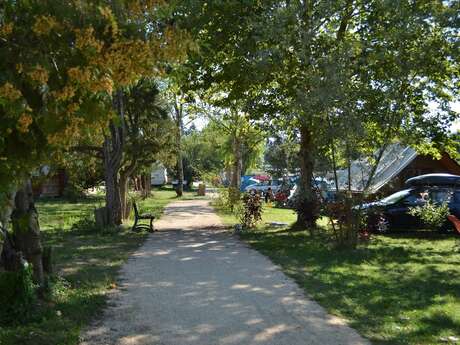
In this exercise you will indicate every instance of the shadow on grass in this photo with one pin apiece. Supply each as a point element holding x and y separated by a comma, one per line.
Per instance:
<point>377,286</point>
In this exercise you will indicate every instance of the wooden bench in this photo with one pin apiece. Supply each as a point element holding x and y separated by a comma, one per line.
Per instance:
<point>138,217</point>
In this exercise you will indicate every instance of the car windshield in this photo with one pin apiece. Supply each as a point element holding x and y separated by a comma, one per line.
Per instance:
<point>396,196</point>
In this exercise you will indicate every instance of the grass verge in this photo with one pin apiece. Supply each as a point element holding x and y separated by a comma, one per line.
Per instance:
<point>87,262</point>
<point>398,289</point>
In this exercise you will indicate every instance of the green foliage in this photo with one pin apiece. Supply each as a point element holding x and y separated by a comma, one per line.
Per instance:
<point>17,295</point>
<point>432,215</point>
<point>334,69</point>
<point>149,130</point>
<point>204,152</point>
<point>281,156</point>
<point>60,62</point>
<point>228,199</point>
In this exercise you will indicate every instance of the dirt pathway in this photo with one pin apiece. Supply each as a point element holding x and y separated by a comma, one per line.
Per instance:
<point>191,284</point>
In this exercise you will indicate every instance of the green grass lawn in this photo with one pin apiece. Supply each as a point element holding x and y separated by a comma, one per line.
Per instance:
<point>87,262</point>
<point>398,289</point>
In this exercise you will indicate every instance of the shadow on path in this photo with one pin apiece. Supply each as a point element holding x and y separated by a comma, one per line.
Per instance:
<point>206,287</point>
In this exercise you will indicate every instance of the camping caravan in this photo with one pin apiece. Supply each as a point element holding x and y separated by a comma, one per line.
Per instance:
<point>159,175</point>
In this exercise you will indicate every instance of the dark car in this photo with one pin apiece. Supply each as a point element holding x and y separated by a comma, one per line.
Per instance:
<point>392,212</point>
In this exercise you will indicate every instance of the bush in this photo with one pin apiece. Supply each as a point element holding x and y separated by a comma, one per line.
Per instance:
<point>17,294</point>
<point>252,210</point>
<point>432,215</point>
<point>348,223</point>
<point>85,225</point>
<point>228,199</point>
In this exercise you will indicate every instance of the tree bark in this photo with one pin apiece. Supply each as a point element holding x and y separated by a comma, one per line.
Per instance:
<point>146,185</point>
<point>26,231</point>
<point>237,163</point>
<point>180,164</point>
<point>180,169</point>
<point>10,259</point>
<point>306,203</point>
<point>112,191</point>
<point>5,216</point>
<point>112,153</point>
<point>124,185</point>
<point>125,175</point>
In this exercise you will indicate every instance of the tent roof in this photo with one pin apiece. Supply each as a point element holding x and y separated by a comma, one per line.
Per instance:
<point>394,159</point>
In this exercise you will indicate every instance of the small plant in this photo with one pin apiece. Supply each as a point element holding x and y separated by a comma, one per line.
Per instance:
<point>17,294</point>
<point>348,223</point>
<point>252,210</point>
<point>85,225</point>
<point>432,215</point>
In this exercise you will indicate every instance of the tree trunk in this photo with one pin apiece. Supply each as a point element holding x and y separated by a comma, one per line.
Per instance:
<point>146,185</point>
<point>306,203</point>
<point>124,186</point>
<point>237,164</point>
<point>180,179</point>
<point>113,152</point>
<point>112,192</point>
<point>180,164</point>
<point>26,231</point>
<point>5,216</point>
<point>10,259</point>
<point>125,175</point>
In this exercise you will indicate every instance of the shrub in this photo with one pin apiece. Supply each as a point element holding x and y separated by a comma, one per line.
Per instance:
<point>17,294</point>
<point>85,225</point>
<point>432,215</point>
<point>252,210</point>
<point>348,222</point>
<point>228,199</point>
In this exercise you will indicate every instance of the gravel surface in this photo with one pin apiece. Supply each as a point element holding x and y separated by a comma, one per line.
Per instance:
<point>193,284</point>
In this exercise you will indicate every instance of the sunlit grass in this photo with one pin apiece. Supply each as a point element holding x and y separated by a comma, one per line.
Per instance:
<point>87,261</point>
<point>398,289</point>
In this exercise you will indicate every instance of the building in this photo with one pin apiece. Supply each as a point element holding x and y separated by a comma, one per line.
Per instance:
<point>49,184</point>
<point>398,163</point>
<point>159,175</point>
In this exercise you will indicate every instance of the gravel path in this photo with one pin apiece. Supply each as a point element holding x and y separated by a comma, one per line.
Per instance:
<point>192,284</point>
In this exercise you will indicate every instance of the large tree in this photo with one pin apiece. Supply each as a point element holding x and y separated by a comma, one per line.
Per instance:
<point>61,63</point>
<point>299,64</point>
<point>149,134</point>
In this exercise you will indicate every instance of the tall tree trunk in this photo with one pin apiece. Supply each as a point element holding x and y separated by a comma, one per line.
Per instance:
<point>125,175</point>
<point>147,187</point>
<point>26,231</point>
<point>306,203</point>
<point>180,169</point>
<point>5,216</point>
<point>113,152</point>
<point>124,186</point>
<point>180,164</point>
<point>237,163</point>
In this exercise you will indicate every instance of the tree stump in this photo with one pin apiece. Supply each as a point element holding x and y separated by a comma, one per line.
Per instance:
<point>202,189</point>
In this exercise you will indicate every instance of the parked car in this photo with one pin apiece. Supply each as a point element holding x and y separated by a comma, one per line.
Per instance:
<point>263,186</point>
<point>392,212</point>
